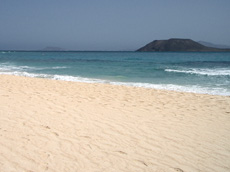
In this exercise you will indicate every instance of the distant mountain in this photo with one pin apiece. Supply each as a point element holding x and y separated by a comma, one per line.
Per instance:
<point>180,45</point>
<point>208,44</point>
<point>53,49</point>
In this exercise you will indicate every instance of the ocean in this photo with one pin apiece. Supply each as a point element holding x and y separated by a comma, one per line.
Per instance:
<point>197,72</point>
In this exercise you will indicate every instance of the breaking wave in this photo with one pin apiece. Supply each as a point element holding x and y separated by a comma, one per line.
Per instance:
<point>172,87</point>
<point>209,72</point>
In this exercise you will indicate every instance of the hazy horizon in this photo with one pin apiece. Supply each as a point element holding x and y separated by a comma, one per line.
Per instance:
<point>110,25</point>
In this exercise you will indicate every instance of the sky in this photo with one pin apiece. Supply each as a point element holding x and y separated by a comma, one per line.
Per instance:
<point>110,24</point>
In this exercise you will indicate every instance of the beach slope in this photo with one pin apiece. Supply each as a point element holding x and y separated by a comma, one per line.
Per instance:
<point>48,125</point>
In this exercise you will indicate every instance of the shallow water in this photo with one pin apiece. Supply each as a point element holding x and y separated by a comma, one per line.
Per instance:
<point>190,72</point>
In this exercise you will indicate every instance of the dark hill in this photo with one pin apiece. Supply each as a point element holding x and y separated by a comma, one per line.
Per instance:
<point>183,45</point>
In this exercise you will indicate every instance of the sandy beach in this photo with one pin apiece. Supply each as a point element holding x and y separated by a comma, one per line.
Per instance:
<point>59,126</point>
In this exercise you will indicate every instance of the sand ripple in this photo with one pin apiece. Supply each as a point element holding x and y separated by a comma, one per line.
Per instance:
<point>59,126</point>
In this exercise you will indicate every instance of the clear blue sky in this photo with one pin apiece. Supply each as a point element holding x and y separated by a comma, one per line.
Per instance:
<point>110,24</point>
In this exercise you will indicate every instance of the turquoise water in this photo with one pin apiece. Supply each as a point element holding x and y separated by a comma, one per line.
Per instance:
<point>189,72</point>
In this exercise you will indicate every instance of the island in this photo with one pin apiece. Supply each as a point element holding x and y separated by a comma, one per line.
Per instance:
<point>178,45</point>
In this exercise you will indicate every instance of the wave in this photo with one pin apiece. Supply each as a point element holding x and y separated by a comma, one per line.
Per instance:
<point>7,67</point>
<point>172,87</point>
<point>208,72</point>
<point>59,67</point>
<point>54,77</point>
<point>179,88</point>
<point>14,68</point>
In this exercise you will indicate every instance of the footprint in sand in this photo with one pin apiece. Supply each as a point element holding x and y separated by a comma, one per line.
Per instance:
<point>178,169</point>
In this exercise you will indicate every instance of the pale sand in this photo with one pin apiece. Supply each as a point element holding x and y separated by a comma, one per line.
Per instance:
<point>48,125</point>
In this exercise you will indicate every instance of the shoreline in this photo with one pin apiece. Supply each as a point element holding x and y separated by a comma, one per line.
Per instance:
<point>198,73</point>
<point>161,87</point>
<point>54,125</point>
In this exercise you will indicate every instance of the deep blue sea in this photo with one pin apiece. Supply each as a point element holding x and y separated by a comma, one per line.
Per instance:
<point>196,72</point>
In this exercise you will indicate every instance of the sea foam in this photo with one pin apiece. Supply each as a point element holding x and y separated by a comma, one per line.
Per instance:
<point>172,87</point>
<point>209,72</point>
